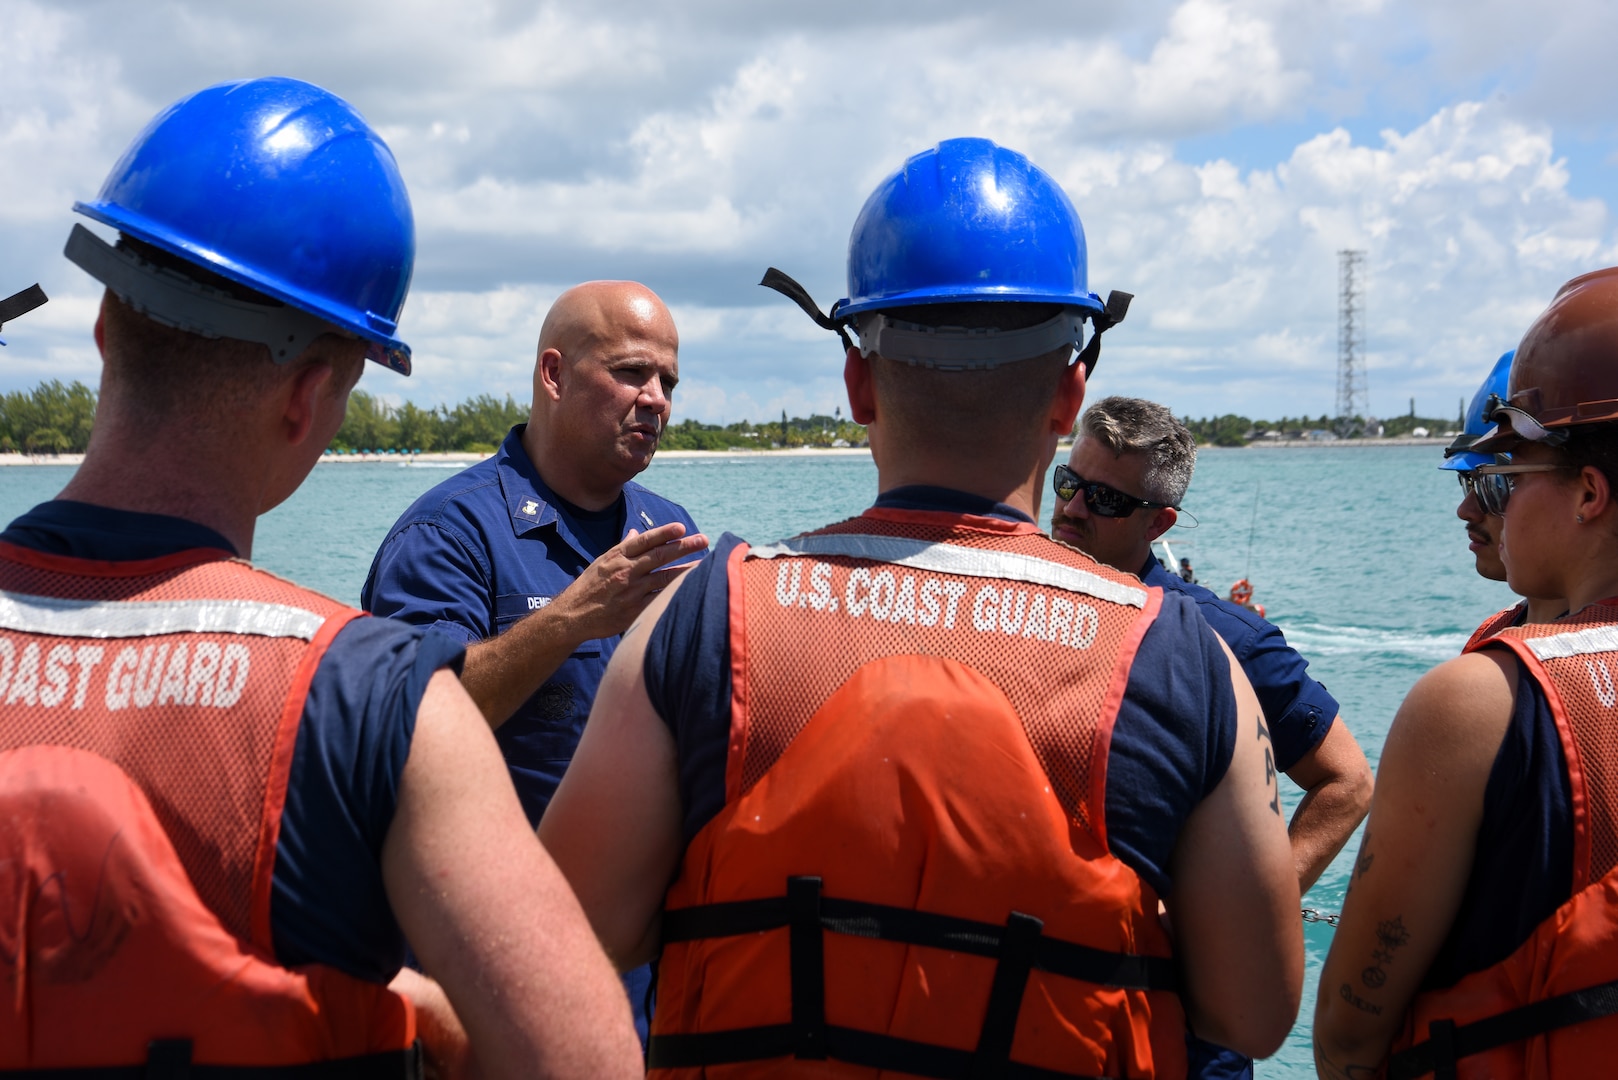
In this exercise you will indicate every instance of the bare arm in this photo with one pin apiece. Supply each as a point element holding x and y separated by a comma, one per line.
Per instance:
<point>504,672</point>
<point>1415,859</point>
<point>489,913</point>
<point>1235,902</point>
<point>1336,784</point>
<point>614,825</point>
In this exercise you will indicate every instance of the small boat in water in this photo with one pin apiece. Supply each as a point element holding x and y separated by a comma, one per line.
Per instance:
<point>1241,593</point>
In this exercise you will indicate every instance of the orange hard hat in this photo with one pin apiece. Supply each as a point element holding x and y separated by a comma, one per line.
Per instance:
<point>1566,369</point>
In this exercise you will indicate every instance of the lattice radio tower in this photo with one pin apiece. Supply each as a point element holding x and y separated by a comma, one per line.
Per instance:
<point>1353,397</point>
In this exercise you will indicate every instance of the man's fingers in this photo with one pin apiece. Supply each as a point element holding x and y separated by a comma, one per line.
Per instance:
<point>636,544</point>
<point>662,579</point>
<point>668,552</point>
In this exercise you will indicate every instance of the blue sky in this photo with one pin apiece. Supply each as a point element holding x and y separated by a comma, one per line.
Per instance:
<point>1219,152</point>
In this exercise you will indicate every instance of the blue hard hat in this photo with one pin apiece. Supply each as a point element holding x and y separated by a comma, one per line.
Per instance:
<point>282,187</point>
<point>1493,391</point>
<point>967,221</point>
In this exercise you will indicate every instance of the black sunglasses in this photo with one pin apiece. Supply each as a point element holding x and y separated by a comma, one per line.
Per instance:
<point>1099,499</point>
<point>1491,490</point>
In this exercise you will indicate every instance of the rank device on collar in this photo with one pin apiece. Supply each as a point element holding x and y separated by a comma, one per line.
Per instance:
<point>965,222</point>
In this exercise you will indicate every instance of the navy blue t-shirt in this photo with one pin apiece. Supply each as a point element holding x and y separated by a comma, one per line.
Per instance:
<point>1171,744</point>
<point>327,902</point>
<point>1522,870</point>
<point>486,548</point>
<point>1298,709</point>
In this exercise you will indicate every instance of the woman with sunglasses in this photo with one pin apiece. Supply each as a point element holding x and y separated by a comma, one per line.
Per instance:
<point>1483,497</point>
<point>1482,906</point>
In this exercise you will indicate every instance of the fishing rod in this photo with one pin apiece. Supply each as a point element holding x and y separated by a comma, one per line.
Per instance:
<point>1257,490</point>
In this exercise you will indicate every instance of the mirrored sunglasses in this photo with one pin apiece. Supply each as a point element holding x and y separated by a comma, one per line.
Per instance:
<point>1099,499</point>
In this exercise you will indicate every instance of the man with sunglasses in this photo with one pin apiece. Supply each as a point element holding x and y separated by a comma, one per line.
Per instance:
<point>1127,446</point>
<point>1484,492</point>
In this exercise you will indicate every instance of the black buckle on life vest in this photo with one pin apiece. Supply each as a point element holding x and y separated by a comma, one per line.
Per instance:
<point>1018,948</point>
<point>1446,1043</point>
<point>168,1059</point>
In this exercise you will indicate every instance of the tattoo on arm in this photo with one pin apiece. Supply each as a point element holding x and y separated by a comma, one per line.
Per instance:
<point>1362,866</point>
<point>1333,1070</point>
<point>1347,993</point>
<point>1391,936</point>
<point>1270,781</point>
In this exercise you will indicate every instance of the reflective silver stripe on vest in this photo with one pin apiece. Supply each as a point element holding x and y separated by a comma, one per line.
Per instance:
<point>150,618</point>
<point>1594,639</point>
<point>957,560</point>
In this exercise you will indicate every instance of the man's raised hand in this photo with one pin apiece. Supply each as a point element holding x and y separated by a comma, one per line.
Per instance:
<point>615,588</point>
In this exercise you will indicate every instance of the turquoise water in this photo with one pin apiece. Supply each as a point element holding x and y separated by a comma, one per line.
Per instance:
<point>1356,553</point>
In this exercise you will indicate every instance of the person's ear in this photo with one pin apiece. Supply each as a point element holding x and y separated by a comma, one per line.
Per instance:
<point>1595,493</point>
<point>861,391</point>
<point>1069,399</point>
<point>101,325</point>
<point>549,374</point>
<point>303,396</point>
<point>1162,521</point>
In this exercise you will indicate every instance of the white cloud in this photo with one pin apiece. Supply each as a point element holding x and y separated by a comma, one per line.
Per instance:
<point>691,146</point>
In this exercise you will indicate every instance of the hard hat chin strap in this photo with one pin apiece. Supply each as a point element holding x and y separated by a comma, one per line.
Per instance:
<point>774,279</point>
<point>171,298</point>
<point>1104,320</point>
<point>954,348</point>
<point>21,303</point>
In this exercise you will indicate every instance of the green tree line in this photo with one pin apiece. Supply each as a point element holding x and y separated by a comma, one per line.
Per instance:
<point>1233,430</point>
<point>479,424</point>
<point>816,430</point>
<point>476,424</point>
<point>49,419</point>
<point>56,418</point>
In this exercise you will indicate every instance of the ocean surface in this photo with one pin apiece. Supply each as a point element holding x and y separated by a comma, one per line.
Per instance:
<point>1356,553</point>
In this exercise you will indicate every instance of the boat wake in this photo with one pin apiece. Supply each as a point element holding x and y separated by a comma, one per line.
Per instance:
<point>1318,639</point>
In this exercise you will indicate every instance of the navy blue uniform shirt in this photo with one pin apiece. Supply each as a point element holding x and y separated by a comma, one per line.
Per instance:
<point>1299,710</point>
<point>486,548</point>
<point>1171,745</point>
<point>327,902</point>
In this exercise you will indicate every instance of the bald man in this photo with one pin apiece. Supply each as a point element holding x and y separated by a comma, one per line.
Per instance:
<point>540,557</point>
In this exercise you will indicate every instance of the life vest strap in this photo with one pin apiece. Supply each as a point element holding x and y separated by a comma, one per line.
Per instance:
<point>856,918</point>
<point>864,1048</point>
<point>1018,948</point>
<point>170,1059</point>
<point>1447,1044</point>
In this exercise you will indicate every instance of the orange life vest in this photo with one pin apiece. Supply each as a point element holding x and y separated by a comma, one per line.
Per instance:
<point>1495,623</point>
<point>148,715</point>
<point>910,873</point>
<point>1547,1010</point>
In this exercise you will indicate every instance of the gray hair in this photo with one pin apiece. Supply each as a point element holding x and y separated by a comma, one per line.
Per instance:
<point>1133,426</point>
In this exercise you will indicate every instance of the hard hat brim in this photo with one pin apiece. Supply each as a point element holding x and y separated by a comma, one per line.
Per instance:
<point>386,349</point>
<point>1089,303</point>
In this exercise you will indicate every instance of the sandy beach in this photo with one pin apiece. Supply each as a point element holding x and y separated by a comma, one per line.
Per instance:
<point>462,457</point>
